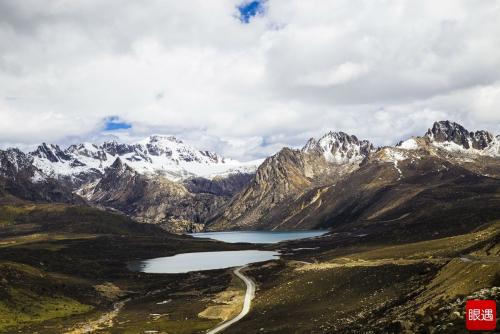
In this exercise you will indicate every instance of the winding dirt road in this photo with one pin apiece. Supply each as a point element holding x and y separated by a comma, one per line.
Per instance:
<point>250,293</point>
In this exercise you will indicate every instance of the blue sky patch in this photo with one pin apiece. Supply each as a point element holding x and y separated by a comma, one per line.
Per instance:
<point>114,123</point>
<point>250,9</point>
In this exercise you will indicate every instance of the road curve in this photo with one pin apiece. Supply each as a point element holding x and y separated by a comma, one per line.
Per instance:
<point>250,293</point>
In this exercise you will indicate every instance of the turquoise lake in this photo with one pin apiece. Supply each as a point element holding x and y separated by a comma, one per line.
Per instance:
<point>259,237</point>
<point>186,262</point>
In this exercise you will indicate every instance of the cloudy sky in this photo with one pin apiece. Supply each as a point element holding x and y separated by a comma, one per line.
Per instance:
<point>245,78</point>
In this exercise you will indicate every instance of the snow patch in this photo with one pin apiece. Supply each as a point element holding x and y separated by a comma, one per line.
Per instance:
<point>493,150</point>
<point>410,144</point>
<point>394,156</point>
<point>38,177</point>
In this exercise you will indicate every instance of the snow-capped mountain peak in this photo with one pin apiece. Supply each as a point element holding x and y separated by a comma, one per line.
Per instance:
<point>339,147</point>
<point>13,161</point>
<point>51,153</point>
<point>170,146</point>
<point>452,136</point>
<point>157,154</point>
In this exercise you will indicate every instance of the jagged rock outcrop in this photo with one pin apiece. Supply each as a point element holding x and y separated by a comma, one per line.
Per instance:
<point>446,131</point>
<point>14,164</point>
<point>339,147</point>
<point>52,153</point>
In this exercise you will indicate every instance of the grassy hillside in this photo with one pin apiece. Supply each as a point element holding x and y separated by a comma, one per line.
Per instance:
<point>62,264</point>
<point>64,268</point>
<point>30,295</point>
<point>29,218</point>
<point>416,287</point>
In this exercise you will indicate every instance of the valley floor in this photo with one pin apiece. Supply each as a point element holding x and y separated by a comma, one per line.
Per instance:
<point>78,283</point>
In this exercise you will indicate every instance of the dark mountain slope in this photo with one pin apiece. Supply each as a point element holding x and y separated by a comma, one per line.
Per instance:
<point>425,203</point>
<point>445,182</point>
<point>20,178</point>
<point>287,175</point>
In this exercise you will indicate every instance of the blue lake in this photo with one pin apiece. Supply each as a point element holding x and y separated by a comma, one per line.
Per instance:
<point>258,237</point>
<point>186,262</point>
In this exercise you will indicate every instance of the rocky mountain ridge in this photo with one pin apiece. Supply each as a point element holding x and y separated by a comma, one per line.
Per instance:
<point>453,133</point>
<point>285,176</point>
<point>339,147</point>
<point>163,181</point>
<point>288,193</point>
<point>158,180</point>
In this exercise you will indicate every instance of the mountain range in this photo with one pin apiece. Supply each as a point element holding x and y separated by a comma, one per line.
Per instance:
<point>336,180</point>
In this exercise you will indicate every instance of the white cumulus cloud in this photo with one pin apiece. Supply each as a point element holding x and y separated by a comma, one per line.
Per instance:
<point>382,70</point>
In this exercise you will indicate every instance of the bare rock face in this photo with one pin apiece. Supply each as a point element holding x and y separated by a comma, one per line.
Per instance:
<point>477,151</point>
<point>220,185</point>
<point>158,200</point>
